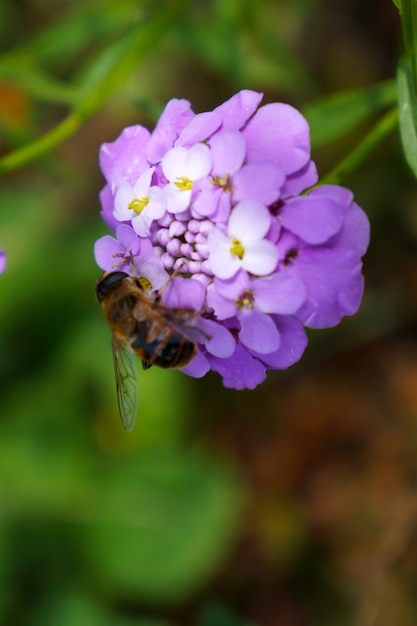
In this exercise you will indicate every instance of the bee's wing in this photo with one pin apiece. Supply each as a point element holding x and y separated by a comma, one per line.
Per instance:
<point>127,385</point>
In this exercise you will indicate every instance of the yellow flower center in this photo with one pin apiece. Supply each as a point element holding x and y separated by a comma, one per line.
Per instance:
<point>237,249</point>
<point>138,204</point>
<point>224,183</point>
<point>245,301</point>
<point>183,183</point>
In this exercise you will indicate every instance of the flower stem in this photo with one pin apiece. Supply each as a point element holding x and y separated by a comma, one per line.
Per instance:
<point>133,47</point>
<point>358,154</point>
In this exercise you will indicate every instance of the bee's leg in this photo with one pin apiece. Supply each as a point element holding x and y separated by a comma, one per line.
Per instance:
<point>192,330</point>
<point>132,266</point>
<point>167,282</point>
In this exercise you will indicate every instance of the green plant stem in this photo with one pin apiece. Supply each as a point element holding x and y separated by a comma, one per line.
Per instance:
<point>136,44</point>
<point>358,154</point>
<point>409,30</point>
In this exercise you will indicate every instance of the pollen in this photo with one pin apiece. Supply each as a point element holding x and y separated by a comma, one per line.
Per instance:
<point>237,249</point>
<point>246,301</point>
<point>183,183</point>
<point>224,182</point>
<point>138,204</point>
<point>145,283</point>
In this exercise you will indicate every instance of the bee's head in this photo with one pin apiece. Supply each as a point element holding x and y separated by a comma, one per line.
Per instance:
<point>108,282</point>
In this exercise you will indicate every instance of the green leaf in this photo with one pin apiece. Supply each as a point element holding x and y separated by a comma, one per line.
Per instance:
<point>94,71</point>
<point>23,70</point>
<point>78,28</point>
<point>67,607</point>
<point>407,106</point>
<point>271,58</point>
<point>218,615</point>
<point>333,117</point>
<point>408,14</point>
<point>362,149</point>
<point>159,525</point>
<point>133,47</point>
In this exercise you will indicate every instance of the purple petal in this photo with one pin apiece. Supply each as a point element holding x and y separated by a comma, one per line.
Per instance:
<point>314,219</point>
<point>124,159</point>
<point>177,113</point>
<point>341,195</point>
<point>332,273</point>
<point>198,367</point>
<point>297,182</point>
<point>240,371</point>
<point>184,293</point>
<point>127,238</point>
<point>107,204</point>
<point>287,244</point>
<point>150,267</point>
<point>234,287</point>
<point>258,332</point>
<point>356,229</point>
<point>2,261</point>
<point>205,198</point>
<point>239,108</point>
<point>274,231</point>
<point>220,341</point>
<point>334,284</point>
<point>280,134</point>
<point>228,149</point>
<point>222,307</point>
<point>223,208</point>
<point>175,116</point>
<point>279,293</point>
<point>161,141</point>
<point>261,182</point>
<point>199,128</point>
<point>107,251</point>
<point>293,343</point>
<point>145,246</point>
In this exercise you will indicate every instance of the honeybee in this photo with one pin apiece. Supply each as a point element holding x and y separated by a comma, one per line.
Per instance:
<point>144,327</point>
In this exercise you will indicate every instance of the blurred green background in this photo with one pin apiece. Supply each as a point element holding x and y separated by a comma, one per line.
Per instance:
<point>291,505</point>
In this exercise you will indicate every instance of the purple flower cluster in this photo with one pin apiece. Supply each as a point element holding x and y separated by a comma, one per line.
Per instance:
<point>220,199</point>
<point>2,261</point>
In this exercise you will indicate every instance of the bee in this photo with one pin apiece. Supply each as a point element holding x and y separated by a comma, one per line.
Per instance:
<point>141,326</point>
